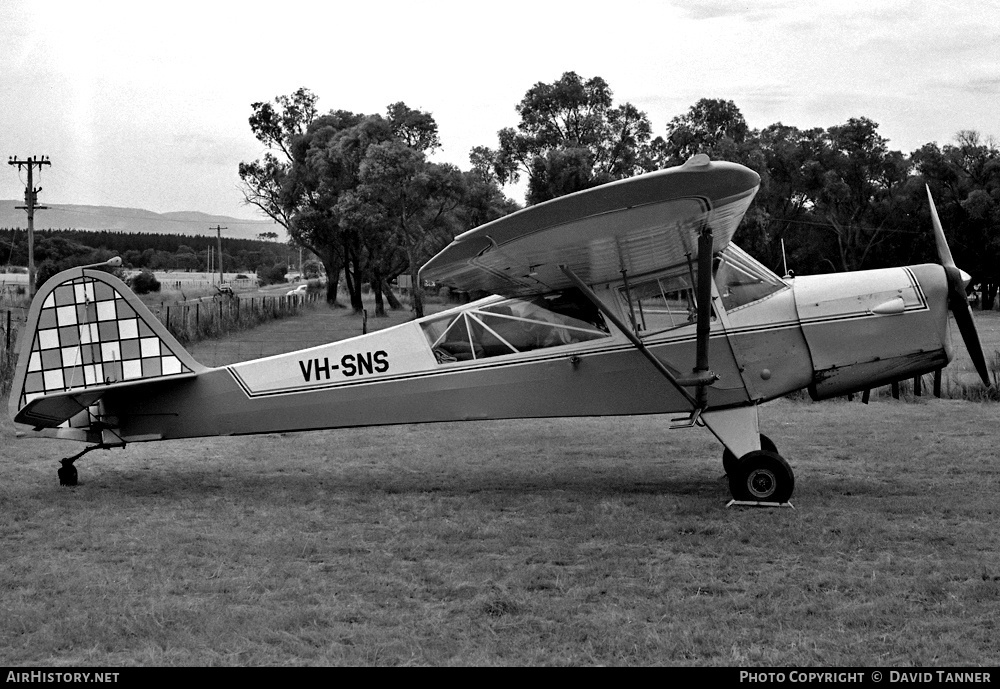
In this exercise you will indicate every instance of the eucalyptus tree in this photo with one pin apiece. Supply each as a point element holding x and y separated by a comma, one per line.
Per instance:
<point>965,180</point>
<point>856,186</point>
<point>570,137</point>
<point>307,180</point>
<point>268,184</point>
<point>409,203</point>
<point>712,126</point>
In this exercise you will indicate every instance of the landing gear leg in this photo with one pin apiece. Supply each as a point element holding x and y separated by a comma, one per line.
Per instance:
<point>729,460</point>
<point>68,474</point>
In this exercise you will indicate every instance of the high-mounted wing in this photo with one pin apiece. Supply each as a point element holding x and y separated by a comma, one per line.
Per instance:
<point>642,225</point>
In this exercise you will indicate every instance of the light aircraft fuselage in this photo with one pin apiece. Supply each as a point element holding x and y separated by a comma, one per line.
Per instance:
<point>625,299</point>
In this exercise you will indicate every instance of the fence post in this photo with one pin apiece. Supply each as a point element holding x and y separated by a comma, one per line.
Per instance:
<point>895,391</point>
<point>917,387</point>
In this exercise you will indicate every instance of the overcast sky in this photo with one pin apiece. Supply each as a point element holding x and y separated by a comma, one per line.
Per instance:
<point>147,107</point>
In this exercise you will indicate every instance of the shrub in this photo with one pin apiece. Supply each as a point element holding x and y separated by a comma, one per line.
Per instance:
<point>271,275</point>
<point>144,283</point>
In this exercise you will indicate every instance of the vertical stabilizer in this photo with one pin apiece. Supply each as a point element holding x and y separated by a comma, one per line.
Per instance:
<point>86,333</point>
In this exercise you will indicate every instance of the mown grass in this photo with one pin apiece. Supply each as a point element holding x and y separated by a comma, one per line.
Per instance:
<point>589,541</point>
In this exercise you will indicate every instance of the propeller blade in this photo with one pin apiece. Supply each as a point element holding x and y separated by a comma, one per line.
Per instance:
<point>959,305</point>
<point>957,301</point>
<point>944,252</point>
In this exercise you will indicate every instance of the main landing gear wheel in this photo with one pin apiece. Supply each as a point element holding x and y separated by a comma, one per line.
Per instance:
<point>729,459</point>
<point>762,476</point>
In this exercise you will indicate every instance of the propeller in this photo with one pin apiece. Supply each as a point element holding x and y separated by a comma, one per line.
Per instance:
<point>957,301</point>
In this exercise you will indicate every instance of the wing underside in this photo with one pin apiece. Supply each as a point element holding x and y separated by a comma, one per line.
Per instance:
<point>640,225</point>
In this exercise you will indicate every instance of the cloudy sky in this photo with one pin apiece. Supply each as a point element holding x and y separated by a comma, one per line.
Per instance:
<point>145,105</point>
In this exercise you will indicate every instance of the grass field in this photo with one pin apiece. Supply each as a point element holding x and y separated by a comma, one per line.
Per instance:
<point>582,541</point>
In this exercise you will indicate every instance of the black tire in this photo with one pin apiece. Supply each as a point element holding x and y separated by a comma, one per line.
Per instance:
<point>67,475</point>
<point>729,459</point>
<point>762,476</point>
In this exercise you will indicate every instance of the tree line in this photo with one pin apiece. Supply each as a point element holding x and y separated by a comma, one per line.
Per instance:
<point>57,250</point>
<point>359,191</point>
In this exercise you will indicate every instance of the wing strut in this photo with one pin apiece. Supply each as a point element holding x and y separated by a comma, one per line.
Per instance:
<point>702,376</point>
<point>660,366</point>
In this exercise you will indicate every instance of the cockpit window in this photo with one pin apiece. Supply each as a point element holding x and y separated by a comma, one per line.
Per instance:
<point>514,325</point>
<point>662,303</point>
<point>742,280</point>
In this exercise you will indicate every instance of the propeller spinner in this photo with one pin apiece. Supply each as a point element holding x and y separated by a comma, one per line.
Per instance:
<point>957,301</point>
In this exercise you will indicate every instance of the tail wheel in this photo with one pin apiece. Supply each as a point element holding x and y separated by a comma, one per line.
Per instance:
<point>762,476</point>
<point>729,459</point>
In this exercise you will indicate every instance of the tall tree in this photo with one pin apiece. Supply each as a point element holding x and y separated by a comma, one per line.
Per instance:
<point>307,179</point>
<point>570,137</point>
<point>326,163</point>
<point>855,186</point>
<point>713,126</point>
<point>404,197</point>
<point>965,180</point>
<point>267,183</point>
<point>773,224</point>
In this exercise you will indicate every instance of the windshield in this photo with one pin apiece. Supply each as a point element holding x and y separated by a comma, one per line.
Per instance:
<point>741,279</point>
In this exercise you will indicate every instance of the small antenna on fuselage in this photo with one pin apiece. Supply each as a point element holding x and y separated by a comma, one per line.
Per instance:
<point>784,260</point>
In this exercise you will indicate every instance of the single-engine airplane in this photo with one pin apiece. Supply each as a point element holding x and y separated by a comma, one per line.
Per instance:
<point>629,298</point>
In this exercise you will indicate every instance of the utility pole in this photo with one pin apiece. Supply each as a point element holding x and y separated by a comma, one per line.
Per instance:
<point>30,205</point>
<point>218,231</point>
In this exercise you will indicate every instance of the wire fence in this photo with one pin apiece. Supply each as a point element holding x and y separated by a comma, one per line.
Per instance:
<point>12,320</point>
<point>218,316</point>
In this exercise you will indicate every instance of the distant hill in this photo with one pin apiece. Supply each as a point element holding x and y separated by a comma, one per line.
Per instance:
<point>65,216</point>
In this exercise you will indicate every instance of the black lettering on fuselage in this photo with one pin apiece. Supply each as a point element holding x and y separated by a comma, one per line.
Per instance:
<point>350,365</point>
<point>347,364</point>
<point>364,362</point>
<point>311,366</point>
